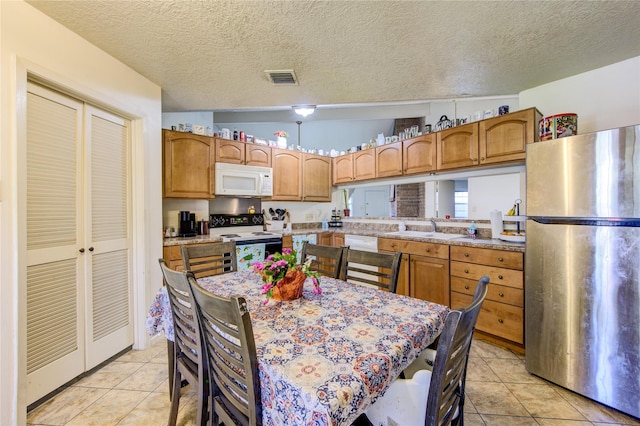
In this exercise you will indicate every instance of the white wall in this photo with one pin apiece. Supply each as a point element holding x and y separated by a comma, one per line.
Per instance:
<point>32,42</point>
<point>499,192</point>
<point>604,98</point>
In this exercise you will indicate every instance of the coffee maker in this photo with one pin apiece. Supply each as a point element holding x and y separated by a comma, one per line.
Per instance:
<point>187,224</point>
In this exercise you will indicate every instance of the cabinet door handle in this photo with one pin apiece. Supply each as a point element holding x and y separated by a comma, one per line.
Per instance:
<point>500,259</point>
<point>393,245</point>
<point>501,294</point>
<point>481,158</point>
<point>90,248</point>
<point>500,277</point>
<point>466,271</point>
<point>427,250</point>
<point>81,250</point>
<point>500,320</point>
<point>466,255</point>
<point>466,286</point>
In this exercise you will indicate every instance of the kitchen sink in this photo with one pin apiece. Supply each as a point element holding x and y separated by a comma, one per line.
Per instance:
<point>424,234</point>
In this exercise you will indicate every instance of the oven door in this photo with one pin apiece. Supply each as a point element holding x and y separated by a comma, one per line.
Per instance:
<point>250,251</point>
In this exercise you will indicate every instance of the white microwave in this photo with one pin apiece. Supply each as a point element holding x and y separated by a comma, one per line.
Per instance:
<point>237,179</point>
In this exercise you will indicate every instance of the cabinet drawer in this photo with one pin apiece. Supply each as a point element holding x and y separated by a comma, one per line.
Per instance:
<point>500,276</point>
<point>495,318</point>
<point>500,258</point>
<point>497,293</point>
<point>440,251</point>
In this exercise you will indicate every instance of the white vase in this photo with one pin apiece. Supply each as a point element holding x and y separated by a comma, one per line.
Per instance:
<point>282,142</point>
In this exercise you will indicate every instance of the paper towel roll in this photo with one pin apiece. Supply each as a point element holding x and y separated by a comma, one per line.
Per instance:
<point>496,224</point>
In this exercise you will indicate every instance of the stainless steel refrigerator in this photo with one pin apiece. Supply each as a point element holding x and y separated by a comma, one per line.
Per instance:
<point>582,265</point>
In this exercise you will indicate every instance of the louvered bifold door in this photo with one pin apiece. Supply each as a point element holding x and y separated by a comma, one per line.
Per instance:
<point>109,310</point>
<point>55,291</point>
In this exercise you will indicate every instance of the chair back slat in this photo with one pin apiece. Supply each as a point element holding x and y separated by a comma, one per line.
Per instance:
<point>209,259</point>
<point>446,389</point>
<point>383,272</point>
<point>231,355</point>
<point>326,261</point>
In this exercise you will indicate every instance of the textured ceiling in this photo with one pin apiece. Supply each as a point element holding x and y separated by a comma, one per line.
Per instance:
<point>211,55</point>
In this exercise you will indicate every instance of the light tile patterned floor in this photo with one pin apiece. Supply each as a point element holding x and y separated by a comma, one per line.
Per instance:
<point>133,390</point>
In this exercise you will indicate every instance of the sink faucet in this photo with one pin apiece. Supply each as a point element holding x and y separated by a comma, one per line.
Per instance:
<point>433,223</point>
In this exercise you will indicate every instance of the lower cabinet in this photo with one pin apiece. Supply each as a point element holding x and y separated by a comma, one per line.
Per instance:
<point>173,257</point>
<point>502,315</point>
<point>337,240</point>
<point>424,270</point>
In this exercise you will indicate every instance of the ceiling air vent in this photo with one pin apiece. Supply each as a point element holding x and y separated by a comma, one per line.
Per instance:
<point>280,77</point>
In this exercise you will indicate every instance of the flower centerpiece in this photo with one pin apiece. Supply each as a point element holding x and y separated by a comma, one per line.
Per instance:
<point>281,136</point>
<point>283,277</point>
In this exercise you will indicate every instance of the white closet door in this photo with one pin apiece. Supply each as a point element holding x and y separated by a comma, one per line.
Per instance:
<point>79,310</point>
<point>55,283</point>
<point>109,316</point>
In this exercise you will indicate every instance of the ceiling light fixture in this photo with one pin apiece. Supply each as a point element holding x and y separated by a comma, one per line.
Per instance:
<point>304,110</point>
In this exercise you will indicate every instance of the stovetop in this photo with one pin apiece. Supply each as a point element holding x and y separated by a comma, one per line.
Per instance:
<point>231,234</point>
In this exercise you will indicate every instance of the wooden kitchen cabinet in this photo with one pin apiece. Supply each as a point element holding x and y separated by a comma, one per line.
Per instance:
<point>343,169</point>
<point>419,154</point>
<point>424,269</point>
<point>324,239</point>
<point>364,164</point>
<point>236,152</point>
<point>338,240</point>
<point>389,160</point>
<point>287,175</point>
<point>316,178</point>
<point>502,314</point>
<point>457,147</point>
<point>287,241</point>
<point>188,165</point>
<point>505,138</point>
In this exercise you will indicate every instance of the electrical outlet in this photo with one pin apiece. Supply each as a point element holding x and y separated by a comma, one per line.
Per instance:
<point>308,216</point>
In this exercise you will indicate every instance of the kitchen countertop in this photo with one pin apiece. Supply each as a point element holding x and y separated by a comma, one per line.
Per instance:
<point>463,241</point>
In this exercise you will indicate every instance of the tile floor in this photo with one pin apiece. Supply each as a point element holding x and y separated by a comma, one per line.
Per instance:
<point>133,390</point>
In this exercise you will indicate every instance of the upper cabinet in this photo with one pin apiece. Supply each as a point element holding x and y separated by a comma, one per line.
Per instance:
<point>364,164</point>
<point>457,147</point>
<point>389,159</point>
<point>419,154</point>
<point>343,169</point>
<point>501,139</point>
<point>228,151</point>
<point>410,156</point>
<point>316,178</point>
<point>287,175</point>
<point>505,138</point>
<point>496,140</point>
<point>188,165</point>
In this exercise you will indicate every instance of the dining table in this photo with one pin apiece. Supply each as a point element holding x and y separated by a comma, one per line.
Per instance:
<point>323,358</point>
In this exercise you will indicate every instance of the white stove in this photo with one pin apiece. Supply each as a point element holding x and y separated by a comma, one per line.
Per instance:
<point>252,242</point>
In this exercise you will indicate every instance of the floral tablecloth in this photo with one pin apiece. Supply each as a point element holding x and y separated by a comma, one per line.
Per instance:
<point>323,358</point>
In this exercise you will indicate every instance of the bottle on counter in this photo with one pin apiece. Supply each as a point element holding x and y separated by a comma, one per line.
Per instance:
<point>325,224</point>
<point>473,231</point>
<point>235,134</point>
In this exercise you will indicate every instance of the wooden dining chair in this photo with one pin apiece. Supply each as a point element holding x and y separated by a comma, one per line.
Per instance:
<point>327,260</point>
<point>370,268</point>
<point>435,397</point>
<point>189,362</point>
<point>209,259</point>
<point>234,387</point>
